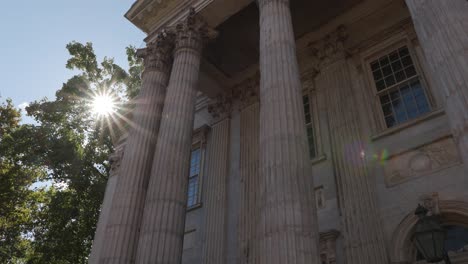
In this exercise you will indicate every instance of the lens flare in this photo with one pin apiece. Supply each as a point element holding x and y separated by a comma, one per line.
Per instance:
<point>103,105</point>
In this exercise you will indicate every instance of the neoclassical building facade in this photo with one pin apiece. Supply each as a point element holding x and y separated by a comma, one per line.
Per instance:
<point>291,131</point>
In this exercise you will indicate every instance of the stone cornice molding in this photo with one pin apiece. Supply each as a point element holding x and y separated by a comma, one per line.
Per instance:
<point>331,48</point>
<point>157,55</point>
<point>192,32</point>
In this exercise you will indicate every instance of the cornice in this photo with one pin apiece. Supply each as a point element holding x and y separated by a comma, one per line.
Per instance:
<point>155,15</point>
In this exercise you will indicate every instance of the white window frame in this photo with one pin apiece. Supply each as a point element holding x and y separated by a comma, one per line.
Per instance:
<point>384,48</point>
<point>198,141</point>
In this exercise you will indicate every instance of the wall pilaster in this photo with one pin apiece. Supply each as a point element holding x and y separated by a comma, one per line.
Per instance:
<point>215,203</point>
<point>363,238</point>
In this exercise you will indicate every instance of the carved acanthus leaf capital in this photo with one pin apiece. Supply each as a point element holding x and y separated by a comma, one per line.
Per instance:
<point>248,91</point>
<point>115,160</point>
<point>193,32</point>
<point>157,54</point>
<point>221,107</point>
<point>331,48</point>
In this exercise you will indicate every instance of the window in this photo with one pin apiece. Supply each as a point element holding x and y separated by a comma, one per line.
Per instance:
<point>194,177</point>
<point>399,87</point>
<point>309,126</point>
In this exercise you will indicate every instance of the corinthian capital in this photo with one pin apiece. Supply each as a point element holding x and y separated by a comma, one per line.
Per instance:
<point>193,32</point>
<point>157,54</point>
<point>331,48</point>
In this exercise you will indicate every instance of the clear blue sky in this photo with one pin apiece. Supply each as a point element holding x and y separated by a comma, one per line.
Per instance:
<point>34,34</point>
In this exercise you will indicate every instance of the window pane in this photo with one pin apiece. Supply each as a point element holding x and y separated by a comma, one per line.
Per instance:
<point>192,192</point>
<point>195,162</point>
<point>380,85</point>
<point>390,121</point>
<point>393,68</point>
<point>309,126</point>
<point>377,75</point>
<point>396,66</point>
<point>405,101</point>
<point>410,71</point>
<point>400,76</point>
<point>384,61</point>
<point>384,99</point>
<point>387,109</point>
<point>387,70</point>
<point>192,195</point>
<point>390,80</point>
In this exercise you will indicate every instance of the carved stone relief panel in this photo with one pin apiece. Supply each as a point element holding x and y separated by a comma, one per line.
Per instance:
<point>427,159</point>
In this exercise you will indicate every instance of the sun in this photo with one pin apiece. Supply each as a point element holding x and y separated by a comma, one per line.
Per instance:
<point>103,105</point>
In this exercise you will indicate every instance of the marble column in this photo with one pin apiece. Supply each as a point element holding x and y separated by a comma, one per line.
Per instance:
<point>249,127</point>
<point>362,231</point>
<point>162,229</point>
<point>287,217</point>
<point>98,243</point>
<point>127,206</point>
<point>215,197</point>
<point>442,29</point>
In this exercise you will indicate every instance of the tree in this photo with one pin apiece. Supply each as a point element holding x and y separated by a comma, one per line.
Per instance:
<point>68,149</point>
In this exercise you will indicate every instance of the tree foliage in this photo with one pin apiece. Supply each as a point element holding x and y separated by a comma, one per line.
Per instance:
<point>66,150</point>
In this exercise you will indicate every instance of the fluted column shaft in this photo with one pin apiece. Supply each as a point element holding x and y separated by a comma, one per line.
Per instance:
<point>214,249</point>
<point>162,229</point>
<point>362,231</point>
<point>249,136</point>
<point>287,224</point>
<point>442,29</point>
<point>99,242</point>
<point>127,206</point>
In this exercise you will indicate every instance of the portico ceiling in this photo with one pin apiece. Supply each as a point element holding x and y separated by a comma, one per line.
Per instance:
<point>237,46</point>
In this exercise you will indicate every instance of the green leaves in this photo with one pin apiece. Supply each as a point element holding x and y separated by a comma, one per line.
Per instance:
<point>67,151</point>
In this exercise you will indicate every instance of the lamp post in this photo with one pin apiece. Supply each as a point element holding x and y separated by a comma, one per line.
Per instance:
<point>429,237</point>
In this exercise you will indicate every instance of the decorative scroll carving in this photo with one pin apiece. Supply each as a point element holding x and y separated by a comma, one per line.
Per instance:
<point>193,32</point>
<point>328,246</point>
<point>221,107</point>
<point>421,161</point>
<point>308,78</point>
<point>157,55</point>
<point>115,160</point>
<point>248,91</point>
<point>245,93</point>
<point>431,202</point>
<point>331,48</point>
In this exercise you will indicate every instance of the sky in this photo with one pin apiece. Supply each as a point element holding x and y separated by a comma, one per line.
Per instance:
<point>34,33</point>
